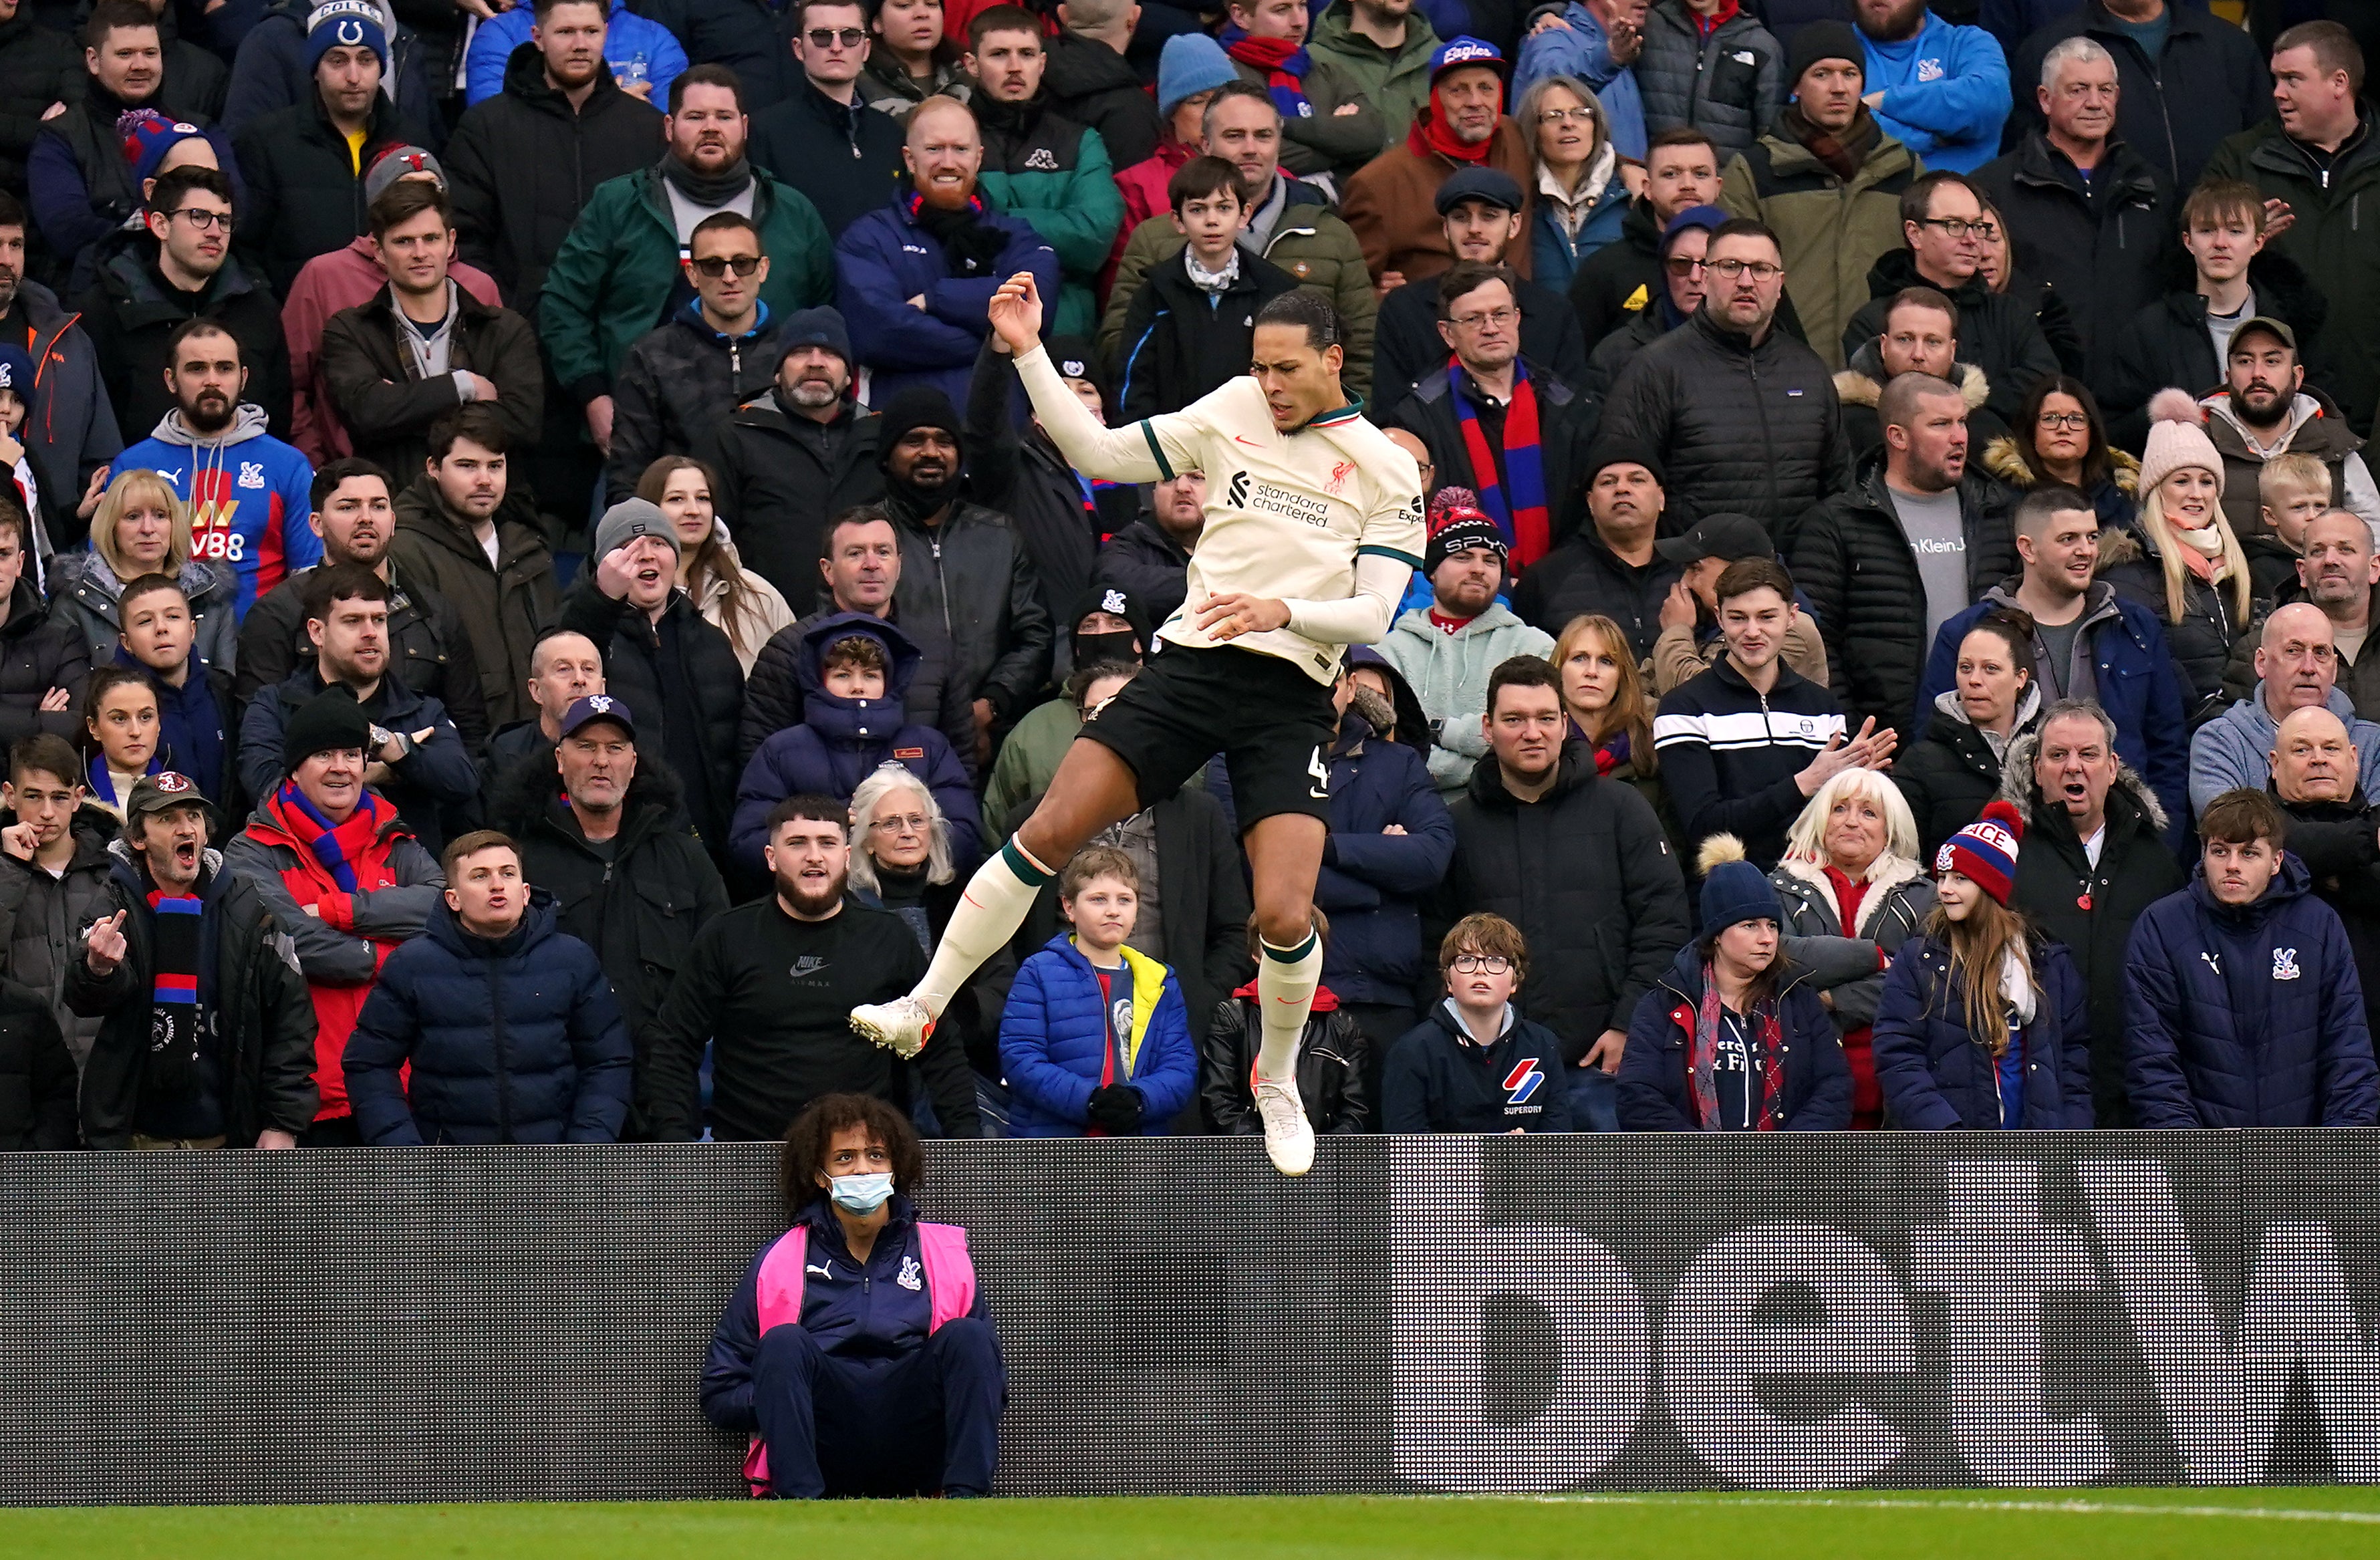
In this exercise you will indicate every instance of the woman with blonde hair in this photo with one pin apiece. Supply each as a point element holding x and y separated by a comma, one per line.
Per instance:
<point>1984,1022</point>
<point>1850,870</point>
<point>742,606</point>
<point>2184,561</point>
<point>142,527</point>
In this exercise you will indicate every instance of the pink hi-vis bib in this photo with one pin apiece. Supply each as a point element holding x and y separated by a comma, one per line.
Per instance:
<point>950,1294</point>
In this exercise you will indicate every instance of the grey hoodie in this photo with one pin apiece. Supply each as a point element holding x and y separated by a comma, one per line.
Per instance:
<point>2234,749</point>
<point>1448,674</point>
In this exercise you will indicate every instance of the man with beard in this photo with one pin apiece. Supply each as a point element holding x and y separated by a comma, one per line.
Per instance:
<point>619,271</point>
<point>915,277</point>
<point>178,268</point>
<point>423,347</point>
<point>689,371</point>
<point>1391,202</point>
<point>1624,278</point>
<point>968,595</point>
<point>1446,650</point>
<point>2335,831</point>
<point>350,511</point>
<point>2265,409</point>
<point>463,534</point>
<point>188,1058</point>
<point>2297,668</point>
<point>799,451</point>
<point>71,445</point>
<point>1149,559</point>
<point>1940,91</point>
<point>771,985</point>
<point>248,491</point>
<point>416,760</point>
<point>603,834</point>
<point>1886,563</point>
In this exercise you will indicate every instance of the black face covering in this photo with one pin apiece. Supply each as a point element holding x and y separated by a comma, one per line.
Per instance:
<point>1122,645</point>
<point>916,502</point>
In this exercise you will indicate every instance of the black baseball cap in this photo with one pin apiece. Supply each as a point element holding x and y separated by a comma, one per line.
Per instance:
<point>1731,536</point>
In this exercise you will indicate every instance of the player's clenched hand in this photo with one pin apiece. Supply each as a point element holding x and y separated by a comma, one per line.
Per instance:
<point>1015,312</point>
<point>1227,618</point>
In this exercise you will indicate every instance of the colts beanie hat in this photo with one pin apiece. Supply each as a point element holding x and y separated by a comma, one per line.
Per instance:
<point>1734,891</point>
<point>145,136</point>
<point>336,23</point>
<point>1192,63</point>
<point>1822,39</point>
<point>395,163</point>
<point>822,326</point>
<point>2173,447</point>
<point>1985,851</point>
<point>326,723</point>
<point>628,519</point>
<point>1465,50</point>
<point>1461,528</point>
<point>920,406</point>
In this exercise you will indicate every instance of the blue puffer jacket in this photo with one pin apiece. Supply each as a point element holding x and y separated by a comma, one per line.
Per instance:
<point>1372,884</point>
<point>1656,1093</point>
<point>885,259</point>
<point>511,1042</point>
<point>1053,1043</point>
<point>1935,1073</point>
<point>841,741</point>
<point>2246,1017</point>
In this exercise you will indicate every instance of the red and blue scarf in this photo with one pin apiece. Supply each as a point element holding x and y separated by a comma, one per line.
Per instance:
<point>1702,1059</point>
<point>1521,512</point>
<point>337,847</point>
<point>1284,63</point>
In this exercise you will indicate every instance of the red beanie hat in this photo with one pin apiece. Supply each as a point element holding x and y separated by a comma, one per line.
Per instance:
<point>1985,851</point>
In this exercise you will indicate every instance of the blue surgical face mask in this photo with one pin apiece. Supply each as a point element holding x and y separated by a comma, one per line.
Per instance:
<point>861,1194</point>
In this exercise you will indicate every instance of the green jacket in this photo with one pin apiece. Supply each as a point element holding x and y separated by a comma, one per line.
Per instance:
<point>613,278</point>
<point>1831,232</point>
<point>1330,141</point>
<point>1308,241</point>
<point>2330,242</point>
<point>1027,760</point>
<point>1395,84</point>
<point>1055,174</point>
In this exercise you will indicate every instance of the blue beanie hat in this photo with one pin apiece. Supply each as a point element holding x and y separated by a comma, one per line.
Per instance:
<point>1192,63</point>
<point>335,23</point>
<point>1734,889</point>
<point>147,135</point>
<point>17,371</point>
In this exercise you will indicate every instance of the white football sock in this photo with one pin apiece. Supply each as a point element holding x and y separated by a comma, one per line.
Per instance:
<point>1286,981</point>
<point>995,904</point>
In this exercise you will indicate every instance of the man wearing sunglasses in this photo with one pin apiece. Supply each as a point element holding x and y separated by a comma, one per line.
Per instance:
<point>179,268</point>
<point>821,138</point>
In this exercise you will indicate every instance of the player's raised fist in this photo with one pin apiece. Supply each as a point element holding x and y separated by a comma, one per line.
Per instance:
<point>1016,313</point>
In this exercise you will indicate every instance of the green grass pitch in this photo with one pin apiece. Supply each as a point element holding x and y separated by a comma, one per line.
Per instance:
<point>2285,1524</point>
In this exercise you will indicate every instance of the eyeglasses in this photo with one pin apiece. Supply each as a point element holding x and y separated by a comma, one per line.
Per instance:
<point>829,37</point>
<point>1955,228</point>
<point>1730,270</point>
<point>715,266</point>
<point>1682,266</point>
<point>2067,422</point>
<point>1500,318</point>
<point>1575,115</point>
<point>203,220</point>
<point>906,824</point>
<point>1481,964</point>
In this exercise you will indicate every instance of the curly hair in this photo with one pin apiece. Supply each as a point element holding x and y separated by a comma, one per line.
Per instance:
<point>813,1132</point>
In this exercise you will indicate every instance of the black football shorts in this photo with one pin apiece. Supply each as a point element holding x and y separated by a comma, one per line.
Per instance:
<point>1272,723</point>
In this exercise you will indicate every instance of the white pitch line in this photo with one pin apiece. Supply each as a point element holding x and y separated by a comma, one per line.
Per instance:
<point>2073,1507</point>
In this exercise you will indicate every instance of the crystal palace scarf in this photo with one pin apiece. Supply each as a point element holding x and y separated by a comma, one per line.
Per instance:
<point>1517,502</point>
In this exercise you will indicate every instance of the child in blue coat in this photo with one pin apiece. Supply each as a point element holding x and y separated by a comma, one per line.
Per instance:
<point>1094,1041</point>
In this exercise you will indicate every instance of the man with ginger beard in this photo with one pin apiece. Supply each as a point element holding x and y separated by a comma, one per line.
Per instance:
<point>771,984</point>
<point>1391,202</point>
<point>915,277</point>
<point>2317,778</point>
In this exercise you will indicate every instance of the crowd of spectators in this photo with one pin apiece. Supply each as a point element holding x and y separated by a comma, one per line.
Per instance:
<point>526,582</point>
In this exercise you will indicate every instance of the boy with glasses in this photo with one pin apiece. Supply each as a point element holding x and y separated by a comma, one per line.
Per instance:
<point>1475,1065</point>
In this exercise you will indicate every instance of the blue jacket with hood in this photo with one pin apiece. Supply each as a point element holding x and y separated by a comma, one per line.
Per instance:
<point>2246,1016</point>
<point>1054,1040</point>
<point>840,741</point>
<point>1936,1072</point>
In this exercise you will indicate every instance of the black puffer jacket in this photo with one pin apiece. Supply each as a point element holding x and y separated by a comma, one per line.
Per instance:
<point>1751,429</point>
<point>2091,908</point>
<point>1612,355</point>
<point>1621,280</point>
<point>523,162</point>
<point>680,381</point>
<point>264,1019</point>
<point>686,688</point>
<point>1852,561</point>
<point>429,651</point>
<point>1951,771</point>
<point>38,651</point>
<point>780,478</point>
<point>1092,85</point>
<point>969,598</point>
<point>2103,243</point>
<point>1727,82</point>
<point>639,905</point>
<point>1586,875</point>
<point>1996,331</point>
<point>2165,342</point>
<point>304,195</point>
<point>2210,625</point>
<point>388,407</point>
<point>38,67</point>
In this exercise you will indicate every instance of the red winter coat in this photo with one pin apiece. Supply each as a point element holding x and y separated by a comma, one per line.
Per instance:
<point>1144,186</point>
<point>341,279</point>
